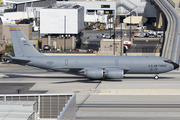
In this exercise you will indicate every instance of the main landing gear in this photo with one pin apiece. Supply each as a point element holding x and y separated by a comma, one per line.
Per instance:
<point>156,77</point>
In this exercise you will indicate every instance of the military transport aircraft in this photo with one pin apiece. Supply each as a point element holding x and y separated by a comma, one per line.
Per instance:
<point>93,67</point>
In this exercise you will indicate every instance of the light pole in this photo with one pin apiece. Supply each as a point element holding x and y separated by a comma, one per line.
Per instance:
<point>121,39</point>
<point>130,27</point>
<point>121,43</point>
<point>114,38</point>
<point>110,25</point>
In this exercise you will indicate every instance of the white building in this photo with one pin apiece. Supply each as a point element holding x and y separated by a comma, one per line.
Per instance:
<point>65,22</point>
<point>62,20</point>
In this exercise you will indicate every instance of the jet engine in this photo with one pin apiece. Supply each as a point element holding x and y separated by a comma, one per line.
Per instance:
<point>94,73</point>
<point>115,74</point>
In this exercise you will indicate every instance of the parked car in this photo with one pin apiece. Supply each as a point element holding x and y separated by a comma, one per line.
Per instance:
<point>125,34</point>
<point>151,35</point>
<point>126,47</point>
<point>146,34</point>
<point>6,60</point>
<point>127,43</point>
<point>108,36</point>
<point>140,28</point>
<point>160,34</point>
<point>35,28</point>
<point>103,35</point>
<point>46,47</point>
<point>136,34</point>
<point>141,35</point>
<point>89,51</point>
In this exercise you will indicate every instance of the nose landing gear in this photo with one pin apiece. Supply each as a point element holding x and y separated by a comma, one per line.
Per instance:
<point>156,77</point>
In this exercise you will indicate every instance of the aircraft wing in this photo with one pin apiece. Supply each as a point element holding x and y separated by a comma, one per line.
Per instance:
<point>82,70</point>
<point>70,70</point>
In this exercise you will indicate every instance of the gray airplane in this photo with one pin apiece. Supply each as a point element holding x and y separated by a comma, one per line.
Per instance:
<point>93,67</point>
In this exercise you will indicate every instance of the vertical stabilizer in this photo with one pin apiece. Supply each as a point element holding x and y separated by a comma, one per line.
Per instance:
<point>22,46</point>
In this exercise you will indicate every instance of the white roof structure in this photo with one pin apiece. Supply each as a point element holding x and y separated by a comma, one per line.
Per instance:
<point>17,102</point>
<point>5,20</point>
<point>16,110</point>
<point>20,1</point>
<point>135,19</point>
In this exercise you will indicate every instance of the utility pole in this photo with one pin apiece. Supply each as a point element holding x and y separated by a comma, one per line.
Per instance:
<point>121,43</point>
<point>114,21</point>
<point>39,39</point>
<point>110,25</point>
<point>64,33</point>
<point>114,37</point>
<point>121,53</point>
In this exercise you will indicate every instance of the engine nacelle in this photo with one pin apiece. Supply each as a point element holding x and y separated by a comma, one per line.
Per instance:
<point>115,74</point>
<point>94,73</point>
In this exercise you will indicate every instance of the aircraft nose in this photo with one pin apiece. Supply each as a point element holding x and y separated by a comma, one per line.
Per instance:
<point>175,65</point>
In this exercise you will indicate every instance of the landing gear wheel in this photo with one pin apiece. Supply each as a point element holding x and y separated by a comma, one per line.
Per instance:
<point>156,77</point>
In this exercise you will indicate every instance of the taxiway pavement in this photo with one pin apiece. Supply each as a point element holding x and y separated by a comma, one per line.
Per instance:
<point>136,97</point>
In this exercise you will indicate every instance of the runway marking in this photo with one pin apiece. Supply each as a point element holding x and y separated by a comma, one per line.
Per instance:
<point>87,97</point>
<point>132,102</point>
<point>131,105</point>
<point>137,94</point>
<point>125,111</point>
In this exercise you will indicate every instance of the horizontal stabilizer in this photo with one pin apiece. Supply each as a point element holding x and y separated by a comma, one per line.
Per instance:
<point>19,61</point>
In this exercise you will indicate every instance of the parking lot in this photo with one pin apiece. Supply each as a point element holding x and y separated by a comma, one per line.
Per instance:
<point>144,46</point>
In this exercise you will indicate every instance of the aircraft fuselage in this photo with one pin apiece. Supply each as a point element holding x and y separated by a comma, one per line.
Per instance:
<point>133,64</point>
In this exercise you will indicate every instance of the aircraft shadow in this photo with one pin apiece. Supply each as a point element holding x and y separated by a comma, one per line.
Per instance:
<point>76,81</point>
<point>84,79</point>
<point>25,76</point>
<point>88,81</point>
<point>112,80</point>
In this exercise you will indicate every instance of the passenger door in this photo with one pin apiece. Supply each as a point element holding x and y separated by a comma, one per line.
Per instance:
<point>116,62</point>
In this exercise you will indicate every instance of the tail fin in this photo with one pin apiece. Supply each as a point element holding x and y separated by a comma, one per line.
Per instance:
<point>22,46</point>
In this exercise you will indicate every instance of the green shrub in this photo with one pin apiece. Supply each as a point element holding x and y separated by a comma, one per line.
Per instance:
<point>9,50</point>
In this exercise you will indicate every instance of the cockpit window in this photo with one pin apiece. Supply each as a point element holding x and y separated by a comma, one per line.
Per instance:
<point>168,61</point>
